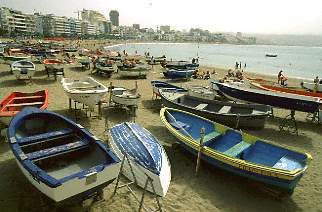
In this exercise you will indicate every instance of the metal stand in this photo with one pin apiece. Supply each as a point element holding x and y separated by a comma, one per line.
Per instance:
<point>127,185</point>
<point>313,117</point>
<point>289,123</point>
<point>86,108</point>
<point>201,146</point>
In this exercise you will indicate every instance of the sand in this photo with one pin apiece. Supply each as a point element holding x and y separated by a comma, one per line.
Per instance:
<point>211,190</point>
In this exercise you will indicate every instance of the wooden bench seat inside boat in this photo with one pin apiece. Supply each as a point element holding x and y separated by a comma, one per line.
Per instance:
<point>237,149</point>
<point>25,104</point>
<point>225,141</point>
<point>225,109</point>
<point>266,154</point>
<point>201,106</point>
<point>62,149</point>
<point>27,97</point>
<point>44,137</point>
<point>211,136</point>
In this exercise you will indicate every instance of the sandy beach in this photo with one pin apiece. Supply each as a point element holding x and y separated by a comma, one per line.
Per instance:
<point>211,190</point>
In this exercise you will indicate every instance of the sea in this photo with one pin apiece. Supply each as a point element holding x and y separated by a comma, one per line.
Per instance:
<point>295,61</point>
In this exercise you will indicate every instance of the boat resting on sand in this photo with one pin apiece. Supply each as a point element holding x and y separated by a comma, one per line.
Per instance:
<point>312,86</point>
<point>286,90</point>
<point>138,71</point>
<point>157,86</point>
<point>237,152</point>
<point>236,115</point>
<point>179,73</point>
<point>87,91</point>
<point>12,104</point>
<point>289,101</point>
<point>146,155</point>
<point>60,158</point>
<point>53,63</point>
<point>23,68</point>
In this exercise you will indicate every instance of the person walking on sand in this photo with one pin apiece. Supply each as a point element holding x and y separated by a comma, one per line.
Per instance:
<point>279,76</point>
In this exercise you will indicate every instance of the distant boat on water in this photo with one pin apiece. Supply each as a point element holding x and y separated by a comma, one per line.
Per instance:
<point>271,55</point>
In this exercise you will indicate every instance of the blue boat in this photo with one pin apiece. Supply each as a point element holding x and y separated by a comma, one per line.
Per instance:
<point>60,158</point>
<point>146,155</point>
<point>180,65</point>
<point>179,73</point>
<point>237,152</point>
<point>160,85</point>
<point>276,99</point>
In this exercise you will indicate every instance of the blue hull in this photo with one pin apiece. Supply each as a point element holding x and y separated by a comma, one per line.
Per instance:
<point>291,102</point>
<point>178,74</point>
<point>165,85</point>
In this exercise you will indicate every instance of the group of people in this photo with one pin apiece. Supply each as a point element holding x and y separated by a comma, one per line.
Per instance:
<point>238,74</point>
<point>201,74</point>
<point>239,65</point>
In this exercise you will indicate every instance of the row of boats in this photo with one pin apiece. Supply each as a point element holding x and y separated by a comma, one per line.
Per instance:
<point>64,160</point>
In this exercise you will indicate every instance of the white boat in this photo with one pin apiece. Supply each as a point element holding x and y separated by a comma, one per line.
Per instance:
<point>146,155</point>
<point>139,71</point>
<point>202,93</point>
<point>23,69</point>
<point>87,91</point>
<point>312,86</point>
<point>124,96</point>
<point>60,158</point>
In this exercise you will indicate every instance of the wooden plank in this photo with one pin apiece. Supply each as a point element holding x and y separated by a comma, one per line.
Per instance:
<point>25,104</point>
<point>225,109</point>
<point>201,106</point>
<point>27,97</point>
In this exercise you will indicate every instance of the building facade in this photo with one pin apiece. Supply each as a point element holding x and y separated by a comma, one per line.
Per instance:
<point>114,17</point>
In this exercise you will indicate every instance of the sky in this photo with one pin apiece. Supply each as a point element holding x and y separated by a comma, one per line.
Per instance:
<point>246,16</point>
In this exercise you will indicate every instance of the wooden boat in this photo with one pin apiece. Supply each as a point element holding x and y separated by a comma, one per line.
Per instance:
<point>271,55</point>
<point>312,86</point>
<point>60,158</point>
<point>180,65</point>
<point>179,73</point>
<point>155,60</point>
<point>236,115</point>
<point>105,67</point>
<point>298,91</point>
<point>146,155</point>
<point>23,68</point>
<point>203,93</point>
<point>16,101</point>
<point>87,91</point>
<point>124,96</point>
<point>160,85</point>
<point>84,60</point>
<point>276,99</point>
<point>237,152</point>
<point>138,71</point>
<point>53,63</point>
<point>10,59</point>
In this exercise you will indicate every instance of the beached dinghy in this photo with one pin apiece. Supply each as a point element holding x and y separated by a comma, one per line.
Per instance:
<point>237,152</point>
<point>276,99</point>
<point>236,115</point>
<point>59,157</point>
<point>138,71</point>
<point>53,63</point>
<point>87,91</point>
<point>11,59</point>
<point>16,101</point>
<point>23,68</point>
<point>146,155</point>
<point>157,86</point>
<point>124,96</point>
<point>179,73</point>
<point>312,86</point>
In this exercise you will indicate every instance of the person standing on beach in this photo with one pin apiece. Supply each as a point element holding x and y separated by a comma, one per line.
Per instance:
<point>245,66</point>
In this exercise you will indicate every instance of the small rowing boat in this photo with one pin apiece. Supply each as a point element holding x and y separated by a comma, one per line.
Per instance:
<point>146,155</point>
<point>179,73</point>
<point>312,86</point>
<point>12,104</point>
<point>87,91</point>
<point>157,86</point>
<point>60,158</point>
<point>23,68</point>
<point>237,152</point>
<point>53,63</point>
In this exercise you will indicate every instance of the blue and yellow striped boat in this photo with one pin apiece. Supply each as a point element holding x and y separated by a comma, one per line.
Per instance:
<point>237,152</point>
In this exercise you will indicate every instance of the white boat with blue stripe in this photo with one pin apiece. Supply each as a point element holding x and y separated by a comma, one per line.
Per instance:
<point>60,158</point>
<point>146,155</point>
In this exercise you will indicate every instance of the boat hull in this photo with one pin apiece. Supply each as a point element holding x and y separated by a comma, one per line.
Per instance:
<point>232,120</point>
<point>313,86</point>
<point>179,74</point>
<point>74,187</point>
<point>124,100</point>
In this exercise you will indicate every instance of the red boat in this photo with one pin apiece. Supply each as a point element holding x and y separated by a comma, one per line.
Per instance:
<point>298,91</point>
<point>16,101</point>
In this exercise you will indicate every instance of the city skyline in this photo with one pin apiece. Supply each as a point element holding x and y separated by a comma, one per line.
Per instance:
<point>273,17</point>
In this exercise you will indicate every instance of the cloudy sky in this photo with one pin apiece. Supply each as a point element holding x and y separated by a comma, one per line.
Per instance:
<point>247,16</point>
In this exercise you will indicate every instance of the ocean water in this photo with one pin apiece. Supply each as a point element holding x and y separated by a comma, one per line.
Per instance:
<point>295,61</point>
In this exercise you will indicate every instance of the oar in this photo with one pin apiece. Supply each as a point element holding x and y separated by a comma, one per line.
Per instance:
<point>179,125</point>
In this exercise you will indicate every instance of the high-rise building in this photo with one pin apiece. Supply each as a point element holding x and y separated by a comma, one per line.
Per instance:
<point>14,21</point>
<point>114,17</point>
<point>165,29</point>
<point>96,19</point>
